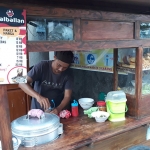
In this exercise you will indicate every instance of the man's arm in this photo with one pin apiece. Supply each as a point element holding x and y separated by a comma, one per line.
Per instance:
<point>44,102</point>
<point>64,102</point>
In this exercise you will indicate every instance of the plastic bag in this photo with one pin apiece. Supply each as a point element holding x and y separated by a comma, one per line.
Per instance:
<point>61,32</point>
<point>65,114</point>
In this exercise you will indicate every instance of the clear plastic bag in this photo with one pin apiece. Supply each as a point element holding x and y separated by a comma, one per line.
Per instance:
<point>61,32</point>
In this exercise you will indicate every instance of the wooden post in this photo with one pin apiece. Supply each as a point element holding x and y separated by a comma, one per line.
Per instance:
<point>115,72</point>
<point>6,136</point>
<point>138,78</point>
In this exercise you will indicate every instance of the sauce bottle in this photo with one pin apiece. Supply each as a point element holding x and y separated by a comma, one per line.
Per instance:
<point>74,108</point>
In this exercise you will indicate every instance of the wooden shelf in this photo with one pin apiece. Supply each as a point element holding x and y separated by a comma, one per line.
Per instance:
<point>128,70</point>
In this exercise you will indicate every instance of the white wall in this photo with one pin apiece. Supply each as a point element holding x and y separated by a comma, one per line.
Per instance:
<point>35,57</point>
<point>51,55</point>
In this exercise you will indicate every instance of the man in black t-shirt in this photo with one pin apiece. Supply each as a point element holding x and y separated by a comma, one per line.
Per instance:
<point>53,83</point>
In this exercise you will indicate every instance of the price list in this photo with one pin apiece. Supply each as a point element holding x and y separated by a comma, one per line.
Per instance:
<point>13,64</point>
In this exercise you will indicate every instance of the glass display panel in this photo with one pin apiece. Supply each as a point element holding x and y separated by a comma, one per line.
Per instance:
<point>146,72</point>
<point>126,63</point>
<point>144,30</point>
<point>46,29</point>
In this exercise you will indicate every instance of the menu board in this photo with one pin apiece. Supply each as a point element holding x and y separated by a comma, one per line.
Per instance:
<point>13,62</point>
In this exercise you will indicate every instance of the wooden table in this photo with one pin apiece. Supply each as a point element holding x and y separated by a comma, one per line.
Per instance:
<point>82,132</point>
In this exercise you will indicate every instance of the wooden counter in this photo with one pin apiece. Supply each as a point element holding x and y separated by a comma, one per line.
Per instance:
<point>84,133</point>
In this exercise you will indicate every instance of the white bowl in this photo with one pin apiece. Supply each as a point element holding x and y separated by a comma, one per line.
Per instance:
<point>84,106</point>
<point>86,103</point>
<point>100,116</point>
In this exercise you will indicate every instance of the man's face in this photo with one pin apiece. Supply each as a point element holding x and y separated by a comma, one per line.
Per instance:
<point>59,66</point>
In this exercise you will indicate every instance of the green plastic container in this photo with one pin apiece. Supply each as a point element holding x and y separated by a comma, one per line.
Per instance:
<point>116,105</point>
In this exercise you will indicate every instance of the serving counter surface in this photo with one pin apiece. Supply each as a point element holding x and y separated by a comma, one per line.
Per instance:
<point>83,131</point>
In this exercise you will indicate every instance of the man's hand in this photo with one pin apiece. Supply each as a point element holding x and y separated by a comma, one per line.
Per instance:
<point>26,87</point>
<point>55,111</point>
<point>43,101</point>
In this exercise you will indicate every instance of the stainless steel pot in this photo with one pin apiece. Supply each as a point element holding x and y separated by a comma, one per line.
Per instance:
<point>34,131</point>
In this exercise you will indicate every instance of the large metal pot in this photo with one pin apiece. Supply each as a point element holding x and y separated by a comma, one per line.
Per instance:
<point>34,131</point>
<point>16,143</point>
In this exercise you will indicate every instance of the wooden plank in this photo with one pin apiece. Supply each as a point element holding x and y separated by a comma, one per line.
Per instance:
<point>49,11</point>
<point>102,30</point>
<point>146,143</point>
<point>111,5</point>
<point>131,105</point>
<point>28,98</point>
<point>77,31</point>
<point>144,104</point>
<point>137,30</point>
<point>6,136</point>
<point>83,131</point>
<point>89,45</point>
<point>136,136</point>
<point>17,103</point>
<point>12,86</point>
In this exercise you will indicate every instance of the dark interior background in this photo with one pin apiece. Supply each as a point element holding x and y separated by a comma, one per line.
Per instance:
<point>91,83</point>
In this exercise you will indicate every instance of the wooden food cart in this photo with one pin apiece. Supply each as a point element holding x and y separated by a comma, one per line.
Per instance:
<point>92,30</point>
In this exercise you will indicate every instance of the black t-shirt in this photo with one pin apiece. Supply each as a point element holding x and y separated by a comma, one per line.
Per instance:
<point>48,84</point>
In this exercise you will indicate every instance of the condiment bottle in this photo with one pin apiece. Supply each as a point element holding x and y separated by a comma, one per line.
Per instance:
<point>101,105</point>
<point>74,108</point>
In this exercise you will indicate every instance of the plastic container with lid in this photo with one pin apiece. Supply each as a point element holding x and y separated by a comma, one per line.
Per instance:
<point>116,105</point>
<point>101,105</point>
<point>116,96</point>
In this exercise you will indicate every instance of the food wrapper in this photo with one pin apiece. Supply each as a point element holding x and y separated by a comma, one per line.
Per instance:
<point>65,114</point>
<point>90,110</point>
<point>36,113</point>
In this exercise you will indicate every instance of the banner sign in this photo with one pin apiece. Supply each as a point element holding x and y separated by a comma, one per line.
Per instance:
<point>13,61</point>
<point>95,60</point>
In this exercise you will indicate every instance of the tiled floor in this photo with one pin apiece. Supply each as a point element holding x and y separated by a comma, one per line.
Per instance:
<point>139,147</point>
<point>0,146</point>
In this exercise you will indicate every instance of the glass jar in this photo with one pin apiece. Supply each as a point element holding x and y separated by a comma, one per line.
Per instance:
<point>101,105</point>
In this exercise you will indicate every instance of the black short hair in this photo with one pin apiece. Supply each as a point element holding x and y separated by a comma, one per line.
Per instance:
<point>65,56</point>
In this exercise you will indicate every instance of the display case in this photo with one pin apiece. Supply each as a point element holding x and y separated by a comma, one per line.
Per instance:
<point>83,30</point>
<point>49,29</point>
<point>99,31</point>
<point>135,65</point>
<point>91,30</point>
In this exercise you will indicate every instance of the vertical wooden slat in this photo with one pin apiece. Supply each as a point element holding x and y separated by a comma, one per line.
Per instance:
<point>137,30</point>
<point>0,140</point>
<point>77,32</point>
<point>28,98</point>
<point>115,77</point>
<point>138,78</point>
<point>6,136</point>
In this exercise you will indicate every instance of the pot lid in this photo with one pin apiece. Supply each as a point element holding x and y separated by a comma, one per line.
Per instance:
<point>35,126</point>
